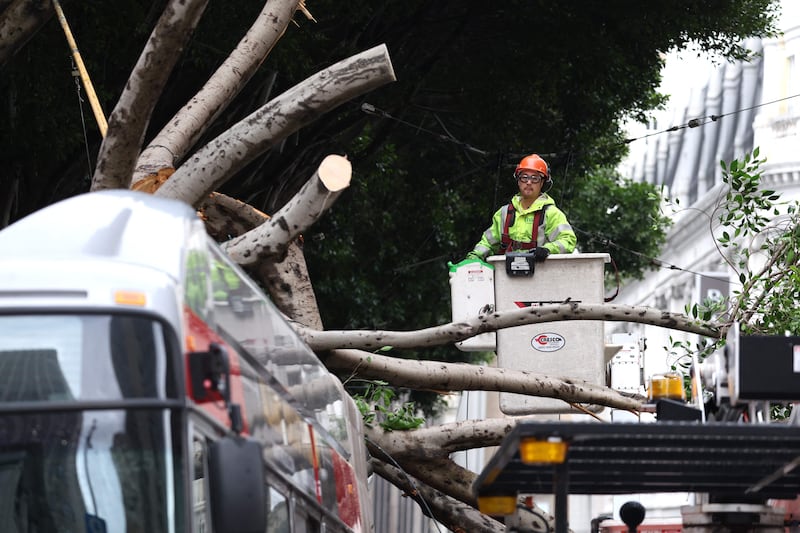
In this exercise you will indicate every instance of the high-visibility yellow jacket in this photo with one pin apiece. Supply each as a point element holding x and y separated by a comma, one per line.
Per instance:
<point>554,233</point>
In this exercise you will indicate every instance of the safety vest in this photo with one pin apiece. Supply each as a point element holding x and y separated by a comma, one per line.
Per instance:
<point>507,244</point>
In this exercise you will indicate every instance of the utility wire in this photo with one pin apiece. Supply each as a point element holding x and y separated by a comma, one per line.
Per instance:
<point>372,110</point>
<point>76,75</point>
<point>410,481</point>
<point>701,121</point>
<point>653,260</point>
<point>693,123</point>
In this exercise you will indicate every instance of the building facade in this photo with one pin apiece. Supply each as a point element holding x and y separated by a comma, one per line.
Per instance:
<point>717,112</point>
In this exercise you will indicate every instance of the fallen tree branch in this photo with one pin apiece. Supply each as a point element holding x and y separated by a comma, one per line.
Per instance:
<point>287,281</point>
<point>444,475</point>
<point>440,376</point>
<point>193,119</point>
<point>456,516</point>
<point>458,331</point>
<point>215,163</point>
<point>271,238</point>
<point>444,439</point>
<point>20,21</point>
<point>128,122</point>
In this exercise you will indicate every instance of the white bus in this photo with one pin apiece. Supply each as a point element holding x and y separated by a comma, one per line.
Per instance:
<point>147,384</point>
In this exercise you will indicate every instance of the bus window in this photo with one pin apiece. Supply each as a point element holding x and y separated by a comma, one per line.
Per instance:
<point>278,517</point>
<point>196,288</point>
<point>202,519</point>
<point>303,523</point>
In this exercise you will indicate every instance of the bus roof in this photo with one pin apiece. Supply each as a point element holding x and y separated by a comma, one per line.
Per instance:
<point>116,225</point>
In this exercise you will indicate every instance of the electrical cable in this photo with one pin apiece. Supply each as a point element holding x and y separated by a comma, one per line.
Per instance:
<point>76,75</point>
<point>501,157</point>
<point>692,123</point>
<point>653,260</point>
<point>372,110</point>
<point>409,479</point>
<point>701,121</point>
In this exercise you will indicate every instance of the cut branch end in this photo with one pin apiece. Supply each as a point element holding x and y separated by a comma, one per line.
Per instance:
<point>335,172</point>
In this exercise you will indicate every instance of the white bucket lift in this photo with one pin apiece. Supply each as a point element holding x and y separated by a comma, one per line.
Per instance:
<point>472,291</point>
<point>573,349</point>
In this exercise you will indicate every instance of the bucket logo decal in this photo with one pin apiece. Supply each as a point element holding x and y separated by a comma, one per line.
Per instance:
<point>548,342</point>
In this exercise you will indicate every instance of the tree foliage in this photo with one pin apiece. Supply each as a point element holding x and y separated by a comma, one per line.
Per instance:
<point>756,234</point>
<point>621,217</point>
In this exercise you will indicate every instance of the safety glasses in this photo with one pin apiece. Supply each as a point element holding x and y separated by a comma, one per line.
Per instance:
<point>532,178</point>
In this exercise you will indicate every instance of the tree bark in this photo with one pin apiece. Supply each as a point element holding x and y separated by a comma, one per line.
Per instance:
<point>19,21</point>
<point>439,376</point>
<point>430,464</point>
<point>130,117</point>
<point>317,195</point>
<point>456,516</point>
<point>290,287</point>
<point>215,163</point>
<point>188,125</point>
<point>444,439</point>
<point>458,331</point>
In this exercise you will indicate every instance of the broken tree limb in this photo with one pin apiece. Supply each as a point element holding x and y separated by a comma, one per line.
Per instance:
<point>216,162</point>
<point>128,122</point>
<point>441,376</point>
<point>456,516</point>
<point>444,439</point>
<point>458,331</point>
<point>271,238</point>
<point>184,129</point>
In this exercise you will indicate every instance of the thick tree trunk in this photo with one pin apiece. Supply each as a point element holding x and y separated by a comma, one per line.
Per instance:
<point>290,287</point>
<point>188,125</point>
<point>458,331</point>
<point>439,376</point>
<point>215,163</point>
<point>130,117</point>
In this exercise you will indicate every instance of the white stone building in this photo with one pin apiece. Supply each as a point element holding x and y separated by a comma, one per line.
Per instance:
<point>740,106</point>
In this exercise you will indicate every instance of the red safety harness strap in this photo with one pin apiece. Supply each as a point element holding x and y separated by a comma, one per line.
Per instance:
<point>509,245</point>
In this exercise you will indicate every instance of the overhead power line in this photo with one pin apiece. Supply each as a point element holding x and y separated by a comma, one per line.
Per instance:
<point>372,110</point>
<point>701,121</point>
<point>693,123</point>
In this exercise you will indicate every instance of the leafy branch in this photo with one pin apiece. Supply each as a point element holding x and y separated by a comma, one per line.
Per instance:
<point>378,404</point>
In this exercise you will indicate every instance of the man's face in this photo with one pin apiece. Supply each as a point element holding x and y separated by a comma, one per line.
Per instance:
<point>530,183</point>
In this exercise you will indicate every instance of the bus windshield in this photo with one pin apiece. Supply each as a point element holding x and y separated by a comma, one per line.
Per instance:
<point>68,466</point>
<point>49,358</point>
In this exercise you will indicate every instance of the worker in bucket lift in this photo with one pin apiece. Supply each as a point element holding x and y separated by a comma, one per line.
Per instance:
<point>531,222</point>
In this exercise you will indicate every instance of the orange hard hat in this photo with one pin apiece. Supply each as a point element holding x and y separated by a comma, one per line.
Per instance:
<point>534,162</point>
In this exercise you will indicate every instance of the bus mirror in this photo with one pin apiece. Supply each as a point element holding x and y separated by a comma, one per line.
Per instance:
<point>236,486</point>
<point>209,373</point>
